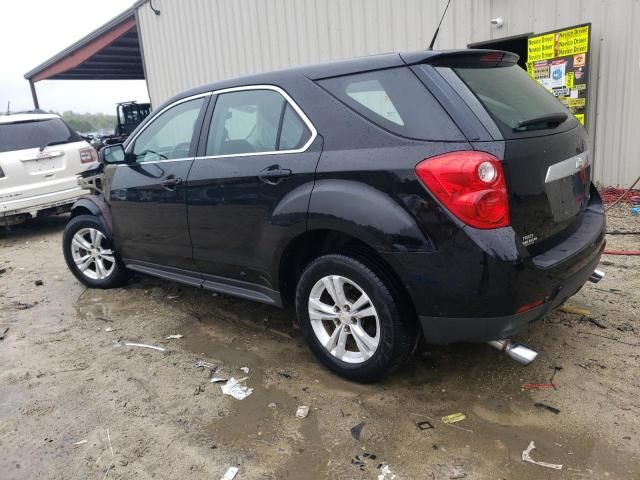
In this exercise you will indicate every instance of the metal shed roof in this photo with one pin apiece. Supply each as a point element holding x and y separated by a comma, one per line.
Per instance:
<point>112,52</point>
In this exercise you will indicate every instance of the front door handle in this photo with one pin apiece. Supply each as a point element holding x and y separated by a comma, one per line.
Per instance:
<point>171,182</point>
<point>274,174</point>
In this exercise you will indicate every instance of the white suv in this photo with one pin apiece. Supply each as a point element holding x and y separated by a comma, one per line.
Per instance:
<point>40,159</point>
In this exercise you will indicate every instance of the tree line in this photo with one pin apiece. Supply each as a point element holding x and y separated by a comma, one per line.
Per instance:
<point>88,122</point>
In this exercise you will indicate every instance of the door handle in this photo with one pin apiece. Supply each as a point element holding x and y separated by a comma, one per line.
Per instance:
<point>274,174</point>
<point>171,182</point>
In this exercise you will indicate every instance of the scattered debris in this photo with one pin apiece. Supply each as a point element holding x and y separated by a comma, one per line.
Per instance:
<point>39,283</point>
<point>203,364</point>
<point>458,472</point>
<point>526,456</point>
<point>425,425</point>
<point>302,411</point>
<point>537,386</point>
<point>454,417</point>
<point>2,335</point>
<point>597,323</point>
<point>234,388</point>
<point>144,345</point>
<point>357,430</point>
<point>385,472</point>
<point>358,463</point>
<point>231,473</point>
<point>549,408</point>
<point>626,327</point>
<point>80,442</point>
<point>272,405</point>
<point>284,374</point>
<point>218,379</point>
<point>575,310</point>
<point>108,329</point>
<point>172,337</point>
<point>245,369</point>
<point>199,389</point>
<point>3,270</point>
<point>556,369</point>
<point>22,305</point>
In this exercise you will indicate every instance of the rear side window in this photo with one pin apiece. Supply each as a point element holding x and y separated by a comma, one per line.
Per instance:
<point>35,134</point>
<point>395,100</point>
<point>511,97</point>
<point>254,121</point>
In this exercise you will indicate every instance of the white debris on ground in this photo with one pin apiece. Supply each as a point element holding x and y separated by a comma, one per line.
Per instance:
<point>302,411</point>
<point>386,473</point>
<point>230,474</point>
<point>526,456</point>
<point>235,388</point>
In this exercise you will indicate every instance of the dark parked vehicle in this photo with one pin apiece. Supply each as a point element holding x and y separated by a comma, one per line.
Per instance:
<point>443,194</point>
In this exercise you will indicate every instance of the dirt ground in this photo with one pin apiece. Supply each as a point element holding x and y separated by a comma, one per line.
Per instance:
<point>75,402</point>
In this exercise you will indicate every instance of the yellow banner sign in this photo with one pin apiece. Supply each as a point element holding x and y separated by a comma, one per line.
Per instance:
<point>559,44</point>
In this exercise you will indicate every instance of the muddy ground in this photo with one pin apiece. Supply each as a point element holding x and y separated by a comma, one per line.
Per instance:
<point>75,402</point>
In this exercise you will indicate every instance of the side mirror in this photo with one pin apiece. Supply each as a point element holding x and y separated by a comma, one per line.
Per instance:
<point>112,154</point>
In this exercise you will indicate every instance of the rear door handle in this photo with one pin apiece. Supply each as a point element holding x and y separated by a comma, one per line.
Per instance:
<point>274,174</point>
<point>171,182</point>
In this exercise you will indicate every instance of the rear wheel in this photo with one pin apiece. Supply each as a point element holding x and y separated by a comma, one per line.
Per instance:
<point>351,320</point>
<point>89,253</point>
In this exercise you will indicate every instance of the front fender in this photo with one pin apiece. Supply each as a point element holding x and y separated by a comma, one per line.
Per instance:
<point>367,213</point>
<point>95,205</point>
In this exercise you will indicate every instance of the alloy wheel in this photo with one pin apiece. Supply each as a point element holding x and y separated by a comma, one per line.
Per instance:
<point>90,255</point>
<point>344,319</point>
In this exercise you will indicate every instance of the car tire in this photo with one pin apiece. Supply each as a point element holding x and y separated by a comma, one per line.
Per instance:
<point>89,253</point>
<point>366,338</point>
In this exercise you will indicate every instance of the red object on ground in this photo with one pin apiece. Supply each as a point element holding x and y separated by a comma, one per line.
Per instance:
<point>611,194</point>
<point>622,252</point>
<point>537,386</point>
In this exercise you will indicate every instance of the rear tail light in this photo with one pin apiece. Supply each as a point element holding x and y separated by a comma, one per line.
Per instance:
<point>470,185</point>
<point>88,155</point>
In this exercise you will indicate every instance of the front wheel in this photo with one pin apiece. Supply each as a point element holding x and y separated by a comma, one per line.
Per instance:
<point>89,253</point>
<point>351,320</point>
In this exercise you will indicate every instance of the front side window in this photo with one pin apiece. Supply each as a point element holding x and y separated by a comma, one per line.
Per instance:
<point>169,136</point>
<point>254,121</point>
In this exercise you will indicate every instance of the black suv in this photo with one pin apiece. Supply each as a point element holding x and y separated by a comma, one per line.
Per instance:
<point>445,193</point>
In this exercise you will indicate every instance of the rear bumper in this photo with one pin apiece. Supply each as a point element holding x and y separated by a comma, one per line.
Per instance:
<point>473,287</point>
<point>21,208</point>
<point>443,330</point>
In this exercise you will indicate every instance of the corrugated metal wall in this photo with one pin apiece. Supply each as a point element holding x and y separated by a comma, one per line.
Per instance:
<point>194,42</point>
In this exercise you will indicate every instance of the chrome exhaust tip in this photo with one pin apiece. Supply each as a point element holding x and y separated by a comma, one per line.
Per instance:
<point>596,276</point>
<point>520,353</point>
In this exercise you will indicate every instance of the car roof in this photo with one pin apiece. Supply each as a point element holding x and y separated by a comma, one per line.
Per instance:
<point>320,70</point>
<point>25,117</point>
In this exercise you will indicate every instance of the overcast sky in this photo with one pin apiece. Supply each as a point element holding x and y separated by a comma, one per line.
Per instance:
<point>33,31</point>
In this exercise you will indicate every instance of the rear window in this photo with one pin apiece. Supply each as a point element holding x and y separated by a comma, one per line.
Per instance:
<point>511,97</point>
<point>35,133</point>
<point>395,100</point>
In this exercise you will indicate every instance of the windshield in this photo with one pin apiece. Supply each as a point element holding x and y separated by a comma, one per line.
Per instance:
<point>513,99</point>
<point>35,134</point>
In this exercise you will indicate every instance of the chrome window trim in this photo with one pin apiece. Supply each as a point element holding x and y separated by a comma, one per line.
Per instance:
<point>285,95</point>
<point>568,167</point>
<point>289,100</point>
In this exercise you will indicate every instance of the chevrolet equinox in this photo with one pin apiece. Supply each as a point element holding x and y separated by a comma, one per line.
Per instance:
<point>436,194</point>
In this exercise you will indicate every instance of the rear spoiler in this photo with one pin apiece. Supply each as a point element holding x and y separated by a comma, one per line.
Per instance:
<point>462,58</point>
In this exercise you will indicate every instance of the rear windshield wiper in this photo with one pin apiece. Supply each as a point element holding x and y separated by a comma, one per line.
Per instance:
<point>551,120</point>
<point>54,142</point>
